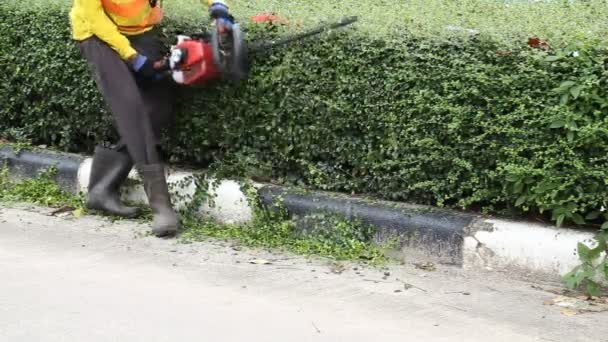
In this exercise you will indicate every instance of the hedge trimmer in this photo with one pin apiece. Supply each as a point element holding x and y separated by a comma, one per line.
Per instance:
<point>200,58</point>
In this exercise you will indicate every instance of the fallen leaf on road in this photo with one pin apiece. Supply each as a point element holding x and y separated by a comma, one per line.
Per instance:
<point>567,302</point>
<point>464,293</point>
<point>78,212</point>
<point>578,305</point>
<point>377,281</point>
<point>316,328</point>
<point>408,286</point>
<point>63,211</point>
<point>568,312</point>
<point>427,266</point>
<point>337,268</point>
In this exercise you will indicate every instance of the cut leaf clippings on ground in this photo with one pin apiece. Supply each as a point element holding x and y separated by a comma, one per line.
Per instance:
<point>571,306</point>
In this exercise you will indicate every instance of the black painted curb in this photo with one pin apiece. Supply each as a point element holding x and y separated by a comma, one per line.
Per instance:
<point>27,164</point>
<point>429,231</point>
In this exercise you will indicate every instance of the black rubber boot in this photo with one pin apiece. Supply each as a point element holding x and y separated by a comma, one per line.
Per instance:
<point>109,170</point>
<point>165,221</point>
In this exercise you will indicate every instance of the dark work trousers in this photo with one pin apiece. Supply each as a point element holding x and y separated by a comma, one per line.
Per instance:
<point>140,108</point>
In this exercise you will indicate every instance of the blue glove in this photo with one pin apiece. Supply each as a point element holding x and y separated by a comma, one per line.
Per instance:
<point>220,12</point>
<point>143,66</point>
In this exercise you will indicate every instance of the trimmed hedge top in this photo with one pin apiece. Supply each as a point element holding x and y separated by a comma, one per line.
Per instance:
<point>510,21</point>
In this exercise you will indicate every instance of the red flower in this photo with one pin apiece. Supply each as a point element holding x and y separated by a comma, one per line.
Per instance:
<point>538,44</point>
<point>269,18</point>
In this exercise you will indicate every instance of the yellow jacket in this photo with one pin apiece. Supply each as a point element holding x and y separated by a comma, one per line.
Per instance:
<point>113,20</point>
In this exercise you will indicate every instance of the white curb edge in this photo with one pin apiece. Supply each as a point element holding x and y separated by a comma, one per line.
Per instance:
<point>526,246</point>
<point>230,204</point>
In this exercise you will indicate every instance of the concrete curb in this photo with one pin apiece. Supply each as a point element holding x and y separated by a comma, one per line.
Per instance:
<point>28,163</point>
<point>466,240</point>
<point>432,232</point>
<point>524,246</point>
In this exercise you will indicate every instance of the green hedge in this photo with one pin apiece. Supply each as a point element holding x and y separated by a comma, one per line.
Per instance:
<point>453,121</point>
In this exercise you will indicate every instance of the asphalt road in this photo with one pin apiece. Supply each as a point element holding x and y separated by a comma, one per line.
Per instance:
<point>88,279</point>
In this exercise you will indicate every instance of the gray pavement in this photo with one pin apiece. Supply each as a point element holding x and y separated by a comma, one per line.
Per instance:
<point>88,279</point>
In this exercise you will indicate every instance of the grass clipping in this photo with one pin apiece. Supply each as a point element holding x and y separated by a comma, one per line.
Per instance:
<point>40,190</point>
<point>330,236</point>
<point>323,235</point>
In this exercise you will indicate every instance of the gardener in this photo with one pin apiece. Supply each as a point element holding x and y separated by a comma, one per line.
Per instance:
<point>120,43</point>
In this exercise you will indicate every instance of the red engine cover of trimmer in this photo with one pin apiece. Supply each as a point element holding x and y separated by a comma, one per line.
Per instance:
<point>196,62</point>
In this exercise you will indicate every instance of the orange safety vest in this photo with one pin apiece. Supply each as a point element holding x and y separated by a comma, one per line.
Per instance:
<point>133,16</point>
